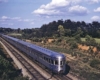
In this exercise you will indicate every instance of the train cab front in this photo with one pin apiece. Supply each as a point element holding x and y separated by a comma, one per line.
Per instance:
<point>61,66</point>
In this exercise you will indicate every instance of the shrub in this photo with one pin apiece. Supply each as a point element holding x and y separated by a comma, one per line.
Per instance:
<point>94,63</point>
<point>73,45</point>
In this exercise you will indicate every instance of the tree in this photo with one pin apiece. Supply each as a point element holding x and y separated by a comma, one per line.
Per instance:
<point>61,30</point>
<point>78,32</point>
<point>98,33</point>
<point>18,30</point>
<point>90,41</point>
<point>67,32</point>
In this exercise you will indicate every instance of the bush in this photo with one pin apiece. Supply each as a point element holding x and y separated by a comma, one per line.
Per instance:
<point>59,40</point>
<point>73,45</point>
<point>94,63</point>
<point>36,40</point>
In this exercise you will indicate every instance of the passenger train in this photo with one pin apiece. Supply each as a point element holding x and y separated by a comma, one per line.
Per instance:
<point>54,61</point>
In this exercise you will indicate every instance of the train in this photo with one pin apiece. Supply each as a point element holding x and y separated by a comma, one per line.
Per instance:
<point>54,61</point>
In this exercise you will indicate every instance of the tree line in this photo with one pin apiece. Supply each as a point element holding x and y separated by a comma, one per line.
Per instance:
<point>71,28</point>
<point>51,29</point>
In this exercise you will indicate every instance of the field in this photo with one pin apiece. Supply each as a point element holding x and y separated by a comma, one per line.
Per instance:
<point>96,39</point>
<point>15,34</point>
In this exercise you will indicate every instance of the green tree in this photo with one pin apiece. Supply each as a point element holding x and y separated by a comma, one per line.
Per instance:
<point>98,33</point>
<point>79,31</point>
<point>77,38</point>
<point>61,30</point>
<point>90,41</point>
<point>67,32</point>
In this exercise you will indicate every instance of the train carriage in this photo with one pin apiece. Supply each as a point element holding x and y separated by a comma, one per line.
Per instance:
<point>54,61</point>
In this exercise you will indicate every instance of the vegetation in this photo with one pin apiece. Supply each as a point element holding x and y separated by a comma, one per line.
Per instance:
<point>66,28</point>
<point>85,65</point>
<point>95,63</point>
<point>7,70</point>
<point>67,36</point>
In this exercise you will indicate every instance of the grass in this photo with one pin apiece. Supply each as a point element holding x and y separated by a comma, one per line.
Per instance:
<point>83,39</point>
<point>15,34</point>
<point>97,40</point>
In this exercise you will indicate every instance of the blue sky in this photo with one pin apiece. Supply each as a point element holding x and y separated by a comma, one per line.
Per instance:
<point>35,13</point>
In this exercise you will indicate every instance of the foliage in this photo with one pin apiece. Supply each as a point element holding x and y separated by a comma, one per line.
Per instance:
<point>90,41</point>
<point>61,30</point>
<point>77,38</point>
<point>59,40</point>
<point>74,45</point>
<point>95,63</point>
<point>7,70</point>
<point>21,78</point>
<point>68,28</point>
<point>36,39</point>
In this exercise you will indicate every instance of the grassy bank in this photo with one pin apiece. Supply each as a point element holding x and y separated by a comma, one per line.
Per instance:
<point>96,39</point>
<point>7,70</point>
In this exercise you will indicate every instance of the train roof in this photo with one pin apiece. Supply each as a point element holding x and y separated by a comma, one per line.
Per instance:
<point>38,48</point>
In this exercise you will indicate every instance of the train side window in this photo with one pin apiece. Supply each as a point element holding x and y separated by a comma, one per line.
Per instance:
<point>56,62</point>
<point>49,61</point>
<point>61,62</point>
<point>44,58</point>
<point>52,62</point>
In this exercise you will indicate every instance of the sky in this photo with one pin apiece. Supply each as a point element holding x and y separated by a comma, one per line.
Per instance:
<point>34,13</point>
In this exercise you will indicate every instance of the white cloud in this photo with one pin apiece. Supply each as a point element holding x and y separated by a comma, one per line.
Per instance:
<point>5,18</point>
<point>97,10</point>
<point>46,12</point>
<point>7,24</point>
<point>52,7</point>
<point>60,7</point>
<point>75,1</point>
<point>55,3</point>
<point>32,23</point>
<point>95,18</point>
<point>26,20</point>
<point>10,24</point>
<point>80,10</point>
<point>93,1</point>
<point>16,18</point>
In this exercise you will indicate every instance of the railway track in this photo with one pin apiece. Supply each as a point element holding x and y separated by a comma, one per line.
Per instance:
<point>65,78</point>
<point>36,75</point>
<point>32,71</point>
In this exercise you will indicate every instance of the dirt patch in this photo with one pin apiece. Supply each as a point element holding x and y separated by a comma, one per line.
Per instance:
<point>83,47</point>
<point>86,48</point>
<point>94,49</point>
